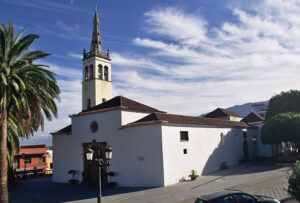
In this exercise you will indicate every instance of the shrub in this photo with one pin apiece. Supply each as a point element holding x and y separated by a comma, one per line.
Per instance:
<point>111,174</point>
<point>294,182</point>
<point>241,160</point>
<point>73,181</point>
<point>288,159</point>
<point>223,165</point>
<point>72,172</point>
<point>193,175</point>
<point>112,184</point>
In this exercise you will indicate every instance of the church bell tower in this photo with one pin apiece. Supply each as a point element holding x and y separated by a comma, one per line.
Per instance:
<point>96,71</point>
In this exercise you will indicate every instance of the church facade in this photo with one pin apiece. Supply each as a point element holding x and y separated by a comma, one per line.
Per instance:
<point>151,148</point>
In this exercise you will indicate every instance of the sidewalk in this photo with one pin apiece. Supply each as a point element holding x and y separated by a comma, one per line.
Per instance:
<point>273,185</point>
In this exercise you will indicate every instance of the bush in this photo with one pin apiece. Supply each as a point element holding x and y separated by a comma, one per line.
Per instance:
<point>242,160</point>
<point>194,175</point>
<point>111,173</point>
<point>112,184</point>
<point>73,181</point>
<point>294,182</point>
<point>288,159</point>
<point>223,165</point>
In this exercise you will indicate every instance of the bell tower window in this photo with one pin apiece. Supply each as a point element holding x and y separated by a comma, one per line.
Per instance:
<point>86,73</point>
<point>88,103</point>
<point>91,72</point>
<point>100,71</point>
<point>106,73</point>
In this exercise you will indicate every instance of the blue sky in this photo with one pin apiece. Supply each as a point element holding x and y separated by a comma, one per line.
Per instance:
<point>185,57</point>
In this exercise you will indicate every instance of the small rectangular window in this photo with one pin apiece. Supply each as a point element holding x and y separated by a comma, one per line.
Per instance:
<point>184,151</point>
<point>27,159</point>
<point>88,103</point>
<point>184,136</point>
<point>103,100</point>
<point>222,141</point>
<point>42,159</point>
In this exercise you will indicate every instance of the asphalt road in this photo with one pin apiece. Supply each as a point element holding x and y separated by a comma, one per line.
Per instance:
<point>264,179</point>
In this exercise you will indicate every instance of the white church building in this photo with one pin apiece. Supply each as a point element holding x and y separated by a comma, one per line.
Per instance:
<point>151,148</point>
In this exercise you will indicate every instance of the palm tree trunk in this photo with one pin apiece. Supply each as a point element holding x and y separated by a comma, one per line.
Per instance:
<point>3,154</point>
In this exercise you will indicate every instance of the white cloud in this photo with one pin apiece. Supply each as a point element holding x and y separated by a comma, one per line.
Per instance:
<point>75,55</point>
<point>46,5</point>
<point>193,72</point>
<point>250,60</point>
<point>66,27</point>
<point>175,23</point>
<point>70,86</point>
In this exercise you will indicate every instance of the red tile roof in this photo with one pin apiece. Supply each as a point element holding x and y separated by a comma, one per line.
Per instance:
<point>220,112</point>
<point>158,117</point>
<point>119,102</point>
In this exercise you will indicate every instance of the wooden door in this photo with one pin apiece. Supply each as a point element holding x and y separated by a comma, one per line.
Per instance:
<point>90,173</point>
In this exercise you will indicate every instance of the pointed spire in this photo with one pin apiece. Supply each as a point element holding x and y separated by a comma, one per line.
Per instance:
<point>96,45</point>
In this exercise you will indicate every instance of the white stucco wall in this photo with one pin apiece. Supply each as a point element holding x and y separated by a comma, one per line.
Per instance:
<point>233,118</point>
<point>131,116</point>
<point>96,89</point>
<point>129,147</point>
<point>263,150</point>
<point>205,152</point>
<point>142,157</point>
<point>68,150</point>
<point>62,158</point>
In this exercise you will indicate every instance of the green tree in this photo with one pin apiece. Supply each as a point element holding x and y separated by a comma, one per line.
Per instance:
<point>284,127</point>
<point>27,92</point>
<point>294,182</point>
<point>284,102</point>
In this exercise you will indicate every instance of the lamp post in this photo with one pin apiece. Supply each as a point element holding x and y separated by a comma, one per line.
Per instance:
<point>101,163</point>
<point>24,156</point>
<point>254,139</point>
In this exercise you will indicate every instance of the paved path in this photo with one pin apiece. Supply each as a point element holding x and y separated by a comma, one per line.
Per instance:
<point>262,179</point>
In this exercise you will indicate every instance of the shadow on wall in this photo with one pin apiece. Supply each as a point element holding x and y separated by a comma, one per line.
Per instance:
<point>229,150</point>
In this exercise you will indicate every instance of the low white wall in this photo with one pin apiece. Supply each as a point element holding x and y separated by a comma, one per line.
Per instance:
<point>205,151</point>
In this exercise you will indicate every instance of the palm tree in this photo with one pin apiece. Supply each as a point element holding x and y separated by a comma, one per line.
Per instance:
<point>27,92</point>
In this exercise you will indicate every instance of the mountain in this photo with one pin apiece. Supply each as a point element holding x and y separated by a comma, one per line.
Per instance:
<point>244,109</point>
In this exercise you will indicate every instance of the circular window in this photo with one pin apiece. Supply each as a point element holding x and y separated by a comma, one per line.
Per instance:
<point>94,126</point>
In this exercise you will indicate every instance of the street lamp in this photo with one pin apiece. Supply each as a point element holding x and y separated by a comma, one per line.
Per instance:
<point>101,163</point>
<point>24,156</point>
<point>254,139</point>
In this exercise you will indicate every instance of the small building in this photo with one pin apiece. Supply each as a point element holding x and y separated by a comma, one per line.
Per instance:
<point>49,160</point>
<point>260,108</point>
<point>31,159</point>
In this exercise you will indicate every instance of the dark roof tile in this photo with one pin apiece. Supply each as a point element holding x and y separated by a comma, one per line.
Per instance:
<point>220,112</point>
<point>189,120</point>
<point>65,130</point>
<point>253,118</point>
<point>119,102</point>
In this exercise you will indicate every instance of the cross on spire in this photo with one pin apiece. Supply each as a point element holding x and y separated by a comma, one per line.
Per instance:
<point>96,45</point>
